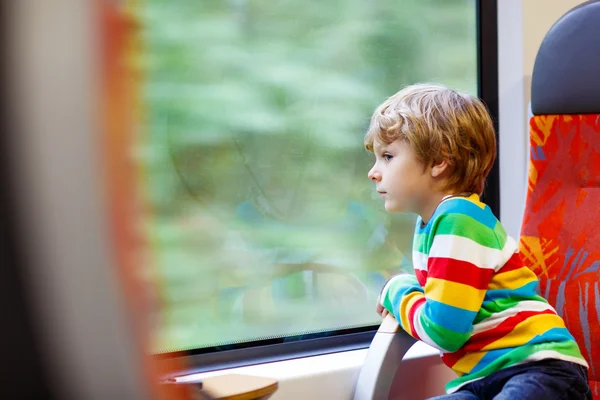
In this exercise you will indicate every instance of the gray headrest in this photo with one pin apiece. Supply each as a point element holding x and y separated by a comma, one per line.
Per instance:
<point>566,74</point>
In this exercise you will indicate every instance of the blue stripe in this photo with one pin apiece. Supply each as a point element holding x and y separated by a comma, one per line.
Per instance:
<point>397,299</point>
<point>551,335</point>
<point>449,317</point>
<point>461,206</point>
<point>490,357</point>
<point>541,155</point>
<point>525,292</point>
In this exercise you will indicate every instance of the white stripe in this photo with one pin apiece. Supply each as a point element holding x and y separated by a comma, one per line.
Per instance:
<point>421,332</point>
<point>464,249</point>
<point>510,248</point>
<point>551,354</point>
<point>461,248</point>
<point>496,319</point>
<point>419,260</point>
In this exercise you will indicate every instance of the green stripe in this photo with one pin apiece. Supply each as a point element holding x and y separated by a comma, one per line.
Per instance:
<point>461,225</point>
<point>500,234</point>
<point>568,348</point>
<point>571,351</point>
<point>490,308</point>
<point>420,243</point>
<point>445,338</point>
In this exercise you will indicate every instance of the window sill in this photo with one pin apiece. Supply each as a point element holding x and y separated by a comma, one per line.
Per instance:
<point>330,376</point>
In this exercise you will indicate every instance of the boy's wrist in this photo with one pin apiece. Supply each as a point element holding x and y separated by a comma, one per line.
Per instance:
<point>383,295</point>
<point>386,287</point>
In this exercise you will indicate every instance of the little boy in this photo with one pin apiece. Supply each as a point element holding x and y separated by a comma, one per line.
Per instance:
<point>472,296</point>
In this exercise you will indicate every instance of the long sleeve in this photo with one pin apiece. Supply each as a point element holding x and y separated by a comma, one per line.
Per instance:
<point>460,254</point>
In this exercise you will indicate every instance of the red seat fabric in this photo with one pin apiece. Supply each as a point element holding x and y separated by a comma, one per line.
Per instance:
<point>560,236</point>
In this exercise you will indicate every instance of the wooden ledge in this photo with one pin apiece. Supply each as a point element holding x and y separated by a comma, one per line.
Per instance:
<point>239,387</point>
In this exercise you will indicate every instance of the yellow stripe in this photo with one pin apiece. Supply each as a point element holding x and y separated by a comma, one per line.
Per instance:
<point>512,279</point>
<point>521,334</point>
<point>468,362</point>
<point>527,330</point>
<point>407,303</point>
<point>474,198</point>
<point>454,294</point>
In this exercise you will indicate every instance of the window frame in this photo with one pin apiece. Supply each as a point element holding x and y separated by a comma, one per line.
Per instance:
<point>286,348</point>
<point>488,91</point>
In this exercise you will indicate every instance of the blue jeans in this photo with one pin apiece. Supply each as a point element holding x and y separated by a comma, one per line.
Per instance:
<point>546,379</point>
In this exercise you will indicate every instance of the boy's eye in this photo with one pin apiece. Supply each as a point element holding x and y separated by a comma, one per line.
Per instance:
<point>387,157</point>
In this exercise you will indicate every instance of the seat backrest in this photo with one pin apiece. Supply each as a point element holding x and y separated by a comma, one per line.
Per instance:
<point>560,236</point>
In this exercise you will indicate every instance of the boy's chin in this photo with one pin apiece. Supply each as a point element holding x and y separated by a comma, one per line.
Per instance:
<point>393,207</point>
<point>399,207</point>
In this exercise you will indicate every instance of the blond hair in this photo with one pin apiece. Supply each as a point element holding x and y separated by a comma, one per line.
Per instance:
<point>440,124</point>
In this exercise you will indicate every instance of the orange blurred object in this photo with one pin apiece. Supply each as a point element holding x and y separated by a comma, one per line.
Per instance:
<point>120,112</point>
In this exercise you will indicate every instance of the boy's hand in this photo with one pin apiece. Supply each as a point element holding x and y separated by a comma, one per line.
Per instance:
<point>381,310</point>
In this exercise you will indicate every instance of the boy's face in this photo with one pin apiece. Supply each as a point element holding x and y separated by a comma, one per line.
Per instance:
<point>400,178</point>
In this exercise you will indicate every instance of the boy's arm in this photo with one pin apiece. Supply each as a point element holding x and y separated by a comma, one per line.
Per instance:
<point>459,269</point>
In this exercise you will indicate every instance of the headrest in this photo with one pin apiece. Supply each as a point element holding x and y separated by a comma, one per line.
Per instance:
<point>566,74</point>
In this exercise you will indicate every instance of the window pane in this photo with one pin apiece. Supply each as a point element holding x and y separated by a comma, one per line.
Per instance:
<point>260,219</point>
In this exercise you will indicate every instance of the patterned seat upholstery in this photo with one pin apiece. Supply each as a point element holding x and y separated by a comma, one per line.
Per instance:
<point>560,236</point>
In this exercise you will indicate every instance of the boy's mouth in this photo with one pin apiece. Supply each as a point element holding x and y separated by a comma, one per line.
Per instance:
<point>381,193</point>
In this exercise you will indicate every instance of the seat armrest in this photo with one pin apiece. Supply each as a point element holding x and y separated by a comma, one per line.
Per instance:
<point>387,349</point>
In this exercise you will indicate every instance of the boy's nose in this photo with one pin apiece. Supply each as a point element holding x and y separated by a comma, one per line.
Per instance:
<point>374,175</point>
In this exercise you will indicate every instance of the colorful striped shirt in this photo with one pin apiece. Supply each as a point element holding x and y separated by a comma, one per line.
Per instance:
<point>473,298</point>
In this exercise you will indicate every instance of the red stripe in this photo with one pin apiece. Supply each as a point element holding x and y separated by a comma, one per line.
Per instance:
<point>513,263</point>
<point>459,271</point>
<point>411,316</point>
<point>452,358</point>
<point>421,276</point>
<point>482,339</point>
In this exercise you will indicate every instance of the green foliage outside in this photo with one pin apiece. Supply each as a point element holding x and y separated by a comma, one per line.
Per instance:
<point>263,222</point>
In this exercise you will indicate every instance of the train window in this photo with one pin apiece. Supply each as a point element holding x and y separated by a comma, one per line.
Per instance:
<point>257,218</point>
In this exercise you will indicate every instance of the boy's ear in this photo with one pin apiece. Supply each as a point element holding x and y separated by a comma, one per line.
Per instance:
<point>439,167</point>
